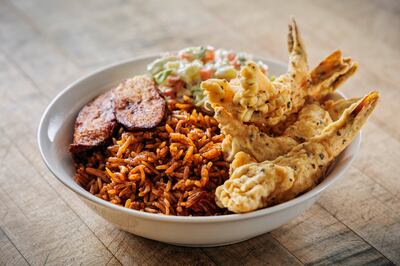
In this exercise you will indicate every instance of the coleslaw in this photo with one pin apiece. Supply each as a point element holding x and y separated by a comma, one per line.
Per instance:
<point>180,73</point>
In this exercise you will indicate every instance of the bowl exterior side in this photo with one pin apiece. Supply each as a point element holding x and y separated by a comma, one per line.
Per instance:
<point>200,234</point>
<point>55,134</point>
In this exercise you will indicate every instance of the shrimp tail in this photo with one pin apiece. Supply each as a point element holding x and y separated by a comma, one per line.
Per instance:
<point>297,53</point>
<point>336,108</point>
<point>331,72</point>
<point>339,134</point>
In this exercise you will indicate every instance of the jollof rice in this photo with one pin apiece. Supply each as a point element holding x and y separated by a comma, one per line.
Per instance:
<point>173,169</point>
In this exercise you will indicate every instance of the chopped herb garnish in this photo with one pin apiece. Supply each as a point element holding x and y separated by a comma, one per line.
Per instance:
<point>201,53</point>
<point>242,59</point>
<point>161,76</point>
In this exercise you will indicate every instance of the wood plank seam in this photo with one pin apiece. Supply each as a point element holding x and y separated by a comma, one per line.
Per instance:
<point>12,243</point>
<point>24,74</point>
<point>20,13</point>
<point>51,187</point>
<point>18,207</point>
<point>293,254</point>
<point>208,256</point>
<point>341,260</point>
<point>373,179</point>
<point>372,246</point>
<point>72,209</point>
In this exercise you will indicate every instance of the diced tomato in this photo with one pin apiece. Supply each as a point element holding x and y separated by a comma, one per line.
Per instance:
<point>175,84</point>
<point>179,85</point>
<point>206,73</point>
<point>187,56</point>
<point>236,64</point>
<point>172,80</point>
<point>231,56</point>
<point>209,55</point>
<point>169,93</point>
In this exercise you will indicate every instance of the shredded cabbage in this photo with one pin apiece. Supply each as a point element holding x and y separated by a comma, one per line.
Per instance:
<point>191,66</point>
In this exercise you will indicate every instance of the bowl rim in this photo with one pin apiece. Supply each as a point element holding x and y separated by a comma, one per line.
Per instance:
<point>355,144</point>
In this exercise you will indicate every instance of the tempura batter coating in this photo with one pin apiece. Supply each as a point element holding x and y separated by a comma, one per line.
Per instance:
<point>256,185</point>
<point>267,103</point>
<point>249,139</point>
<point>311,120</point>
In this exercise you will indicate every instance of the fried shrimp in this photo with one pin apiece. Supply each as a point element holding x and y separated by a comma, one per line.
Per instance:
<point>311,120</point>
<point>267,103</point>
<point>255,185</point>
<point>151,145</point>
<point>249,139</point>
<point>263,101</point>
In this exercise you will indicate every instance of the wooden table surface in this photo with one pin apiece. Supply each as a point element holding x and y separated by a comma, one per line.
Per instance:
<point>47,44</point>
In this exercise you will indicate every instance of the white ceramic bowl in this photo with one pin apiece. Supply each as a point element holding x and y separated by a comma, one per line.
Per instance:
<point>55,134</point>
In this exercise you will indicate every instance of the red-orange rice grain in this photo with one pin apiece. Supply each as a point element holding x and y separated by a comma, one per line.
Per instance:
<point>173,169</point>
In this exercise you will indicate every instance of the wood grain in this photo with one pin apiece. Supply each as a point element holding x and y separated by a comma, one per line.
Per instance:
<point>10,255</point>
<point>367,209</point>
<point>317,238</point>
<point>40,236</point>
<point>46,44</point>
<point>256,251</point>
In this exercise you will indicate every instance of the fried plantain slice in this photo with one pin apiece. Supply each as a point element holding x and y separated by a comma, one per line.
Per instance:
<point>138,103</point>
<point>95,124</point>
